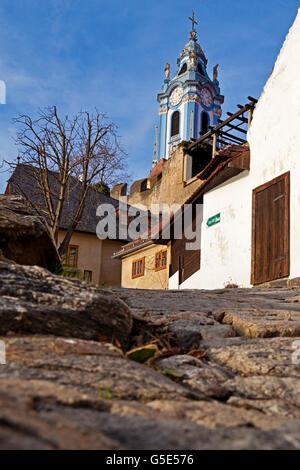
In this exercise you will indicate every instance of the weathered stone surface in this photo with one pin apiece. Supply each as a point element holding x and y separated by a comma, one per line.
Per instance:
<point>215,414</point>
<point>264,323</point>
<point>24,237</point>
<point>191,328</point>
<point>207,378</point>
<point>94,367</point>
<point>236,392</point>
<point>270,407</point>
<point>58,393</point>
<point>258,357</point>
<point>266,388</point>
<point>33,301</point>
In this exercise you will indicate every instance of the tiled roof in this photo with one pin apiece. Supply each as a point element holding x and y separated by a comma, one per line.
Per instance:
<point>157,170</point>
<point>23,181</point>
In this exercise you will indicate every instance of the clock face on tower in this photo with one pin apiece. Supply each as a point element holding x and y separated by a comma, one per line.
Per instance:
<point>206,97</point>
<point>176,96</point>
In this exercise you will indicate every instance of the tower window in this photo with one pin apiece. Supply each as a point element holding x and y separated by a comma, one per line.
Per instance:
<point>175,123</point>
<point>204,123</point>
<point>200,69</point>
<point>183,69</point>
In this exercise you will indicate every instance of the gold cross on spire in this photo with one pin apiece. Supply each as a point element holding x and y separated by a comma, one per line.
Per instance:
<point>192,19</point>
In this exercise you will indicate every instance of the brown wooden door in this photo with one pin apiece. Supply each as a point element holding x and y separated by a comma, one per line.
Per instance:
<point>271,230</point>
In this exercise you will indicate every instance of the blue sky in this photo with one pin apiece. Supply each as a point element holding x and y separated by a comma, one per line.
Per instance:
<point>81,54</point>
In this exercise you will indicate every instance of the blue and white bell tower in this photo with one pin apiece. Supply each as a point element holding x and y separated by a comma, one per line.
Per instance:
<point>190,102</point>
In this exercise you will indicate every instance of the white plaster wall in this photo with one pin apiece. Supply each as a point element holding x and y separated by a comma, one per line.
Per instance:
<point>226,246</point>
<point>274,138</point>
<point>174,281</point>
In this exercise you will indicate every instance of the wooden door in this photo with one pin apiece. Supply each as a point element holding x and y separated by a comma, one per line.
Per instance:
<point>271,230</point>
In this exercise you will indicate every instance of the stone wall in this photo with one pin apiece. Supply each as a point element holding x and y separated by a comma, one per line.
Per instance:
<point>167,187</point>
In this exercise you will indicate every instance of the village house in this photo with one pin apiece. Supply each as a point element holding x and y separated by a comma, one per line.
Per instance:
<point>88,257</point>
<point>250,231</point>
<point>145,264</point>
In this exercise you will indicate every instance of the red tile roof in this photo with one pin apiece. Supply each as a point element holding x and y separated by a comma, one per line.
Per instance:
<point>157,170</point>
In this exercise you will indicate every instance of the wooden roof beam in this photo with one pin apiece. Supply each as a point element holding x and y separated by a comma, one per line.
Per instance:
<point>237,139</point>
<point>239,118</point>
<point>237,128</point>
<point>223,142</point>
<point>227,140</point>
<point>232,138</point>
<point>236,115</point>
<point>254,100</point>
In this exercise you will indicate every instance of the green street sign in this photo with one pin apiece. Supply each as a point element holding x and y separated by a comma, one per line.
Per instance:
<point>216,219</point>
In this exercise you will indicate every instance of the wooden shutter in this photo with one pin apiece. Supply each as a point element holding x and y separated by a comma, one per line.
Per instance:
<point>191,263</point>
<point>271,230</point>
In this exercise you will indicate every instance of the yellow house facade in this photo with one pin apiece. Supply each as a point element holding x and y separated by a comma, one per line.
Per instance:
<point>145,265</point>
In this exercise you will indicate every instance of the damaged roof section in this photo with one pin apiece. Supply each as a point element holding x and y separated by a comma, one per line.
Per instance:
<point>227,140</point>
<point>231,131</point>
<point>228,162</point>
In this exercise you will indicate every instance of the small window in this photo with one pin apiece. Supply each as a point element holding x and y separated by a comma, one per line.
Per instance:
<point>200,69</point>
<point>138,268</point>
<point>175,123</point>
<point>183,69</point>
<point>204,124</point>
<point>144,185</point>
<point>71,257</point>
<point>88,276</point>
<point>161,260</point>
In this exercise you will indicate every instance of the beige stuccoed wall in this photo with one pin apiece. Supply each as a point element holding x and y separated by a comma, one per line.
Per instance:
<point>111,268</point>
<point>152,279</point>
<point>95,255</point>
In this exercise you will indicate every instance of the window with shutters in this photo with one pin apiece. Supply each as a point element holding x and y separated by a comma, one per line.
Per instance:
<point>138,268</point>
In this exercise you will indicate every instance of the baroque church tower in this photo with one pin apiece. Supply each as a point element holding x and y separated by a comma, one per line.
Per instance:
<point>190,102</point>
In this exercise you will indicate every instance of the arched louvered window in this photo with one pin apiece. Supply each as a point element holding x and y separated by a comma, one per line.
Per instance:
<point>183,69</point>
<point>204,123</point>
<point>175,123</point>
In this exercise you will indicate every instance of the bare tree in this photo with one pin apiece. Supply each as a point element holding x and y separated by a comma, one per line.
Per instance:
<point>78,151</point>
